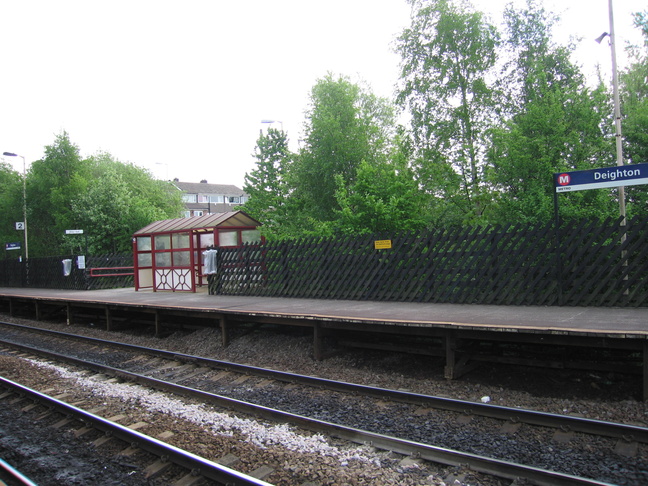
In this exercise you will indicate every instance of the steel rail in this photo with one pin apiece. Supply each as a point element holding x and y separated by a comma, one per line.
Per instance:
<point>517,415</point>
<point>204,467</point>
<point>15,474</point>
<point>483,464</point>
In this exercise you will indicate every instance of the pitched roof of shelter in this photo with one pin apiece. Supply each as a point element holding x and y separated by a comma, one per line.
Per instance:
<point>203,223</point>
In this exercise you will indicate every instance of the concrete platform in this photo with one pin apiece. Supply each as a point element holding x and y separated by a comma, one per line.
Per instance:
<point>457,329</point>
<point>629,322</point>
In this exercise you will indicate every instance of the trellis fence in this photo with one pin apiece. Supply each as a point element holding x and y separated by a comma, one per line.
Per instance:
<point>101,272</point>
<point>585,263</point>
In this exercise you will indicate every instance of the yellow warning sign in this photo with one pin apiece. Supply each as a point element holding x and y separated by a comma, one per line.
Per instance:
<point>382,244</point>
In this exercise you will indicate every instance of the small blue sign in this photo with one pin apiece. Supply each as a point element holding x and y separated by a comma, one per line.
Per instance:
<point>622,175</point>
<point>12,246</point>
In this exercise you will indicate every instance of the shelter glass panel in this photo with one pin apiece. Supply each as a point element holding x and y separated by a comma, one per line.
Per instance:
<point>206,239</point>
<point>181,259</point>
<point>180,240</point>
<point>144,260</point>
<point>163,259</point>
<point>162,242</point>
<point>144,243</point>
<point>250,236</point>
<point>228,238</point>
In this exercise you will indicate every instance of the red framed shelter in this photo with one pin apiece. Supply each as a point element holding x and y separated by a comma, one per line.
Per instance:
<point>167,254</point>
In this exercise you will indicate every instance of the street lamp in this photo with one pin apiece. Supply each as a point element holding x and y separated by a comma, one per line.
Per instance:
<point>273,121</point>
<point>11,154</point>
<point>617,107</point>
<point>167,168</point>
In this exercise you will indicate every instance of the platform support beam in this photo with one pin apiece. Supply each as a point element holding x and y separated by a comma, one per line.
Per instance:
<point>158,323</point>
<point>645,371</point>
<point>109,319</point>
<point>224,327</point>
<point>451,355</point>
<point>11,307</point>
<point>318,342</point>
<point>70,314</point>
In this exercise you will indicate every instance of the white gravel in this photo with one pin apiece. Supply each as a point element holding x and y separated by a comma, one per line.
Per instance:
<point>258,433</point>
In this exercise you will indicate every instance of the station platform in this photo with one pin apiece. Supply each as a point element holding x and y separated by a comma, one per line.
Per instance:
<point>455,326</point>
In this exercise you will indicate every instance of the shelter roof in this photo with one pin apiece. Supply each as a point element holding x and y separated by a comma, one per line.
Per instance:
<point>199,224</point>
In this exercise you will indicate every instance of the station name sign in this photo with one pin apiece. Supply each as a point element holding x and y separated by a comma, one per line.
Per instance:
<point>580,180</point>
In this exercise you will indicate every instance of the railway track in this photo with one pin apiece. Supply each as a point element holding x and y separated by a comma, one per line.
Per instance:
<point>10,475</point>
<point>197,468</point>
<point>158,368</point>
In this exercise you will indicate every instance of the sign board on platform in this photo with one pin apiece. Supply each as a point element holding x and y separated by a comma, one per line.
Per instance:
<point>622,175</point>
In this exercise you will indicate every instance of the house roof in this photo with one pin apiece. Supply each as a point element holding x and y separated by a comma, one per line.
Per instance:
<point>210,207</point>
<point>205,188</point>
<point>199,224</point>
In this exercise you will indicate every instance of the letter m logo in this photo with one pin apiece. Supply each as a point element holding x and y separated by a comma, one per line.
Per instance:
<point>564,179</point>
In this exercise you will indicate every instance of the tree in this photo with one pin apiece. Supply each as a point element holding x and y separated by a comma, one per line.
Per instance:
<point>121,199</point>
<point>555,124</point>
<point>382,199</point>
<point>345,125</point>
<point>105,198</point>
<point>11,206</point>
<point>447,55</point>
<point>634,96</point>
<point>52,185</point>
<point>267,184</point>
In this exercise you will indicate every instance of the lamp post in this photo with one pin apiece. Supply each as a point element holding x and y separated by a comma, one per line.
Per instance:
<point>11,154</point>
<point>167,168</point>
<point>273,121</point>
<point>617,108</point>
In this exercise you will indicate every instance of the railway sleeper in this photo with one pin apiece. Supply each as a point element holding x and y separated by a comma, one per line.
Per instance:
<point>627,448</point>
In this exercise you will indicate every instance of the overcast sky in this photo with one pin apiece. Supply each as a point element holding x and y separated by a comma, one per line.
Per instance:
<point>181,88</point>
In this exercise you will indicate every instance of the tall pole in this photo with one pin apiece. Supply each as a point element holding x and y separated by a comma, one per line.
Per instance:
<point>619,146</point>
<point>617,113</point>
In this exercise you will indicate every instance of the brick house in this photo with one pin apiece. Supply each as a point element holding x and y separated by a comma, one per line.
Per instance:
<point>201,198</point>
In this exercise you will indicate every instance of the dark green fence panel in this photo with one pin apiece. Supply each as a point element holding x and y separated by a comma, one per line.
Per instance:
<point>101,272</point>
<point>584,263</point>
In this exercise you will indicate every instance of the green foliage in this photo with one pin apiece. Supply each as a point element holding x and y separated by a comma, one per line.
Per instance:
<point>448,54</point>
<point>556,125</point>
<point>52,184</point>
<point>105,198</point>
<point>383,199</point>
<point>267,184</point>
<point>121,199</point>
<point>634,95</point>
<point>11,207</point>
<point>345,125</point>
